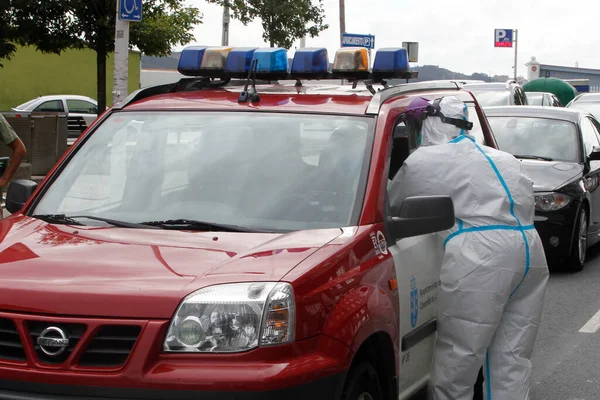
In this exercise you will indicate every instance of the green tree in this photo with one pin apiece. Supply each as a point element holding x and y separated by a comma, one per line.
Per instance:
<point>56,25</point>
<point>7,33</point>
<point>283,21</point>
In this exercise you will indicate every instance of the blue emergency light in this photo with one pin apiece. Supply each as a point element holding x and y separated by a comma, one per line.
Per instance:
<point>239,61</point>
<point>272,63</point>
<point>391,63</point>
<point>190,60</point>
<point>310,63</point>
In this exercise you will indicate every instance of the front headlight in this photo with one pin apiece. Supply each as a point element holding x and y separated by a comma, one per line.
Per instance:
<point>551,201</point>
<point>232,318</point>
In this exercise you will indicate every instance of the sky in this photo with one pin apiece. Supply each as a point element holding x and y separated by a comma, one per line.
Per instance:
<point>457,35</point>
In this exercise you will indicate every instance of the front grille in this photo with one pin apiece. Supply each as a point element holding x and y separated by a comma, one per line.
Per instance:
<point>73,332</point>
<point>110,347</point>
<point>11,348</point>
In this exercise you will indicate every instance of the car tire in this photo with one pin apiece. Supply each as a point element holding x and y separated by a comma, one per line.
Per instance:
<point>362,384</point>
<point>576,260</point>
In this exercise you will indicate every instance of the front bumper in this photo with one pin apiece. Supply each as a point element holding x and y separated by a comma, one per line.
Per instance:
<point>325,388</point>
<point>557,226</point>
<point>311,368</point>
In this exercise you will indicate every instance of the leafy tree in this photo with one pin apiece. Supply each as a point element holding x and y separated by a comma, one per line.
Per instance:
<point>283,21</point>
<point>56,25</point>
<point>7,33</point>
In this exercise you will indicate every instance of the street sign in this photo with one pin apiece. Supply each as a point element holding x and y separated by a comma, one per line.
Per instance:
<point>412,48</point>
<point>130,10</point>
<point>503,38</point>
<point>353,40</point>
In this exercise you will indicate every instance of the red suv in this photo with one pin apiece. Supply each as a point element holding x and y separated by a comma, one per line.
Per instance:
<point>223,238</point>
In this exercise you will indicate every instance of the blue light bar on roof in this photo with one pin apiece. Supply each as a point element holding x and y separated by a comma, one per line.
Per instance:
<point>190,60</point>
<point>310,63</point>
<point>391,63</point>
<point>272,63</point>
<point>239,61</point>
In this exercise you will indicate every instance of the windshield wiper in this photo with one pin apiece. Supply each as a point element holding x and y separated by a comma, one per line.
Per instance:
<point>71,220</point>
<point>61,219</point>
<point>190,224</point>
<point>532,157</point>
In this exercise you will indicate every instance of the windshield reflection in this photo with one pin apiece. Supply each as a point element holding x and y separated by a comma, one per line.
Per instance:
<point>257,170</point>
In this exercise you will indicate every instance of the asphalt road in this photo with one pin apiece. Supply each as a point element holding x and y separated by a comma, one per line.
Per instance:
<point>566,361</point>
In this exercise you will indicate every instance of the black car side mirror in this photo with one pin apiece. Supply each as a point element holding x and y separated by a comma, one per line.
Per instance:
<point>420,215</point>
<point>595,154</point>
<point>19,191</point>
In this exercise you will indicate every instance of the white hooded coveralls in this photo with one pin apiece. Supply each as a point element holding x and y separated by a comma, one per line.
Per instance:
<point>494,272</point>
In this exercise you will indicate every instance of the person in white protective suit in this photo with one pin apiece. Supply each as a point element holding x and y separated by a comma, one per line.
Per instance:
<point>494,271</point>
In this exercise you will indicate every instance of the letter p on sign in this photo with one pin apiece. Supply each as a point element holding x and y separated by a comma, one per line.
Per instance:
<point>503,38</point>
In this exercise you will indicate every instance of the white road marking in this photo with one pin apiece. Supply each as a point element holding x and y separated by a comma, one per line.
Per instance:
<point>592,325</point>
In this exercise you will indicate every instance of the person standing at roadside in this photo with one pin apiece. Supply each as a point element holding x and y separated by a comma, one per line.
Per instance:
<point>9,138</point>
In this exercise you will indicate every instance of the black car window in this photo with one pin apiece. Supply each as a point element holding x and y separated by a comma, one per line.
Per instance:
<point>589,135</point>
<point>557,102</point>
<point>51,106</point>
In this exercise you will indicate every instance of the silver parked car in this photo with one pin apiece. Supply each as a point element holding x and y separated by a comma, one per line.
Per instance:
<point>81,111</point>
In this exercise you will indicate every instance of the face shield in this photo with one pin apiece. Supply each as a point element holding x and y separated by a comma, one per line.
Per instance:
<point>443,119</point>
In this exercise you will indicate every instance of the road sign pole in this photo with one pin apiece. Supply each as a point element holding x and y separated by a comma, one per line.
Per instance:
<point>342,23</point>
<point>121,68</point>
<point>225,35</point>
<point>516,33</point>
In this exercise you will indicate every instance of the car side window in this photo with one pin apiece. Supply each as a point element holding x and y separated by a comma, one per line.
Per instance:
<point>589,135</point>
<point>477,131</point>
<point>81,107</point>
<point>405,141</point>
<point>51,106</point>
<point>557,102</point>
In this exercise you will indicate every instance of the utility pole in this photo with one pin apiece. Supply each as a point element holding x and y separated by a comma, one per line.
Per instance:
<point>342,19</point>
<point>342,24</point>
<point>225,34</point>
<point>516,44</point>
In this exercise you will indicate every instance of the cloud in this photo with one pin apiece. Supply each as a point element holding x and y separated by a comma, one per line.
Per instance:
<point>457,35</point>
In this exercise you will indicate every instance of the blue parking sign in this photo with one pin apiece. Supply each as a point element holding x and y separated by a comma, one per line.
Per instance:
<point>130,10</point>
<point>503,38</point>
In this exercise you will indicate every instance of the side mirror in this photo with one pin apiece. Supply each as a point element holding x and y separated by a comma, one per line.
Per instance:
<point>423,214</point>
<point>18,193</point>
<point>595,154</point>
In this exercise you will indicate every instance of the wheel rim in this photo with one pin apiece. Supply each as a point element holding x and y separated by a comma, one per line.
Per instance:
<point>365,396</point>
<point>582,237</point>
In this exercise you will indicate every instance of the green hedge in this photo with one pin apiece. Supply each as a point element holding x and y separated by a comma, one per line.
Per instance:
<point>30,74</point>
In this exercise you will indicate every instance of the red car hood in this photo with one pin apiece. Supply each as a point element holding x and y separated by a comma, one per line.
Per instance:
<point>135,273</point>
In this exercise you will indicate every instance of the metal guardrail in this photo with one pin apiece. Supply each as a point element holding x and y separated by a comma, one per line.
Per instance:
<point>44,136</point>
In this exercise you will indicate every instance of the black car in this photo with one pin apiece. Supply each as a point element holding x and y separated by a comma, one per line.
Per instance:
<point>560,152</point>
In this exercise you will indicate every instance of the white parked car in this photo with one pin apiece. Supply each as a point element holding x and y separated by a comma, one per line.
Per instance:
<point>81,111</point>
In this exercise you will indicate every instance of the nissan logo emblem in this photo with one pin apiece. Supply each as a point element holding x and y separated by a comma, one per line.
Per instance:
<point>53,341</point>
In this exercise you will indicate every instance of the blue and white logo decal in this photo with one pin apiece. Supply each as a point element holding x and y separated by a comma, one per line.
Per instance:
<point>414,302</point>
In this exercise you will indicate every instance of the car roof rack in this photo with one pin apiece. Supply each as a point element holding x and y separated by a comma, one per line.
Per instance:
<point>192,84</point>
<point>183,85</point>
<point>384,95</point>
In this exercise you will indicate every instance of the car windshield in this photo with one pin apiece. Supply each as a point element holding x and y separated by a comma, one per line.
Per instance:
<point>263,171</point>
<point>26,105</point>
<point>491,98</point>
<point>537,137</point>
<point>592,108</point>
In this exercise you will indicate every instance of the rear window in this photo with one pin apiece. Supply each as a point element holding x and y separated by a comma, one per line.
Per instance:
<point>256,170</point>
<point>491,98</point>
